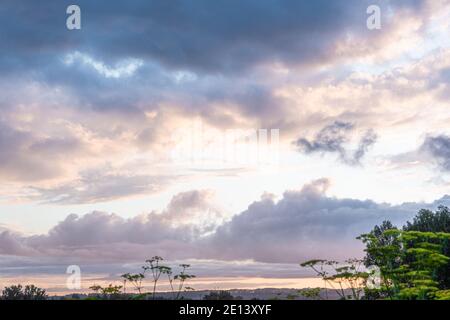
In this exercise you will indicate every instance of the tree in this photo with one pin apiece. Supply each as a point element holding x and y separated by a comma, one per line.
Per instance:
<point>109,292</point>
<point>409,263</point>
<point>218,295</point>
<point>382,239</point>
<point>439,221</point>
<point>348,280</point>
<point>429,221</point>
<point>413,263</point>
<point>311,293</point>
<point>18,292</point>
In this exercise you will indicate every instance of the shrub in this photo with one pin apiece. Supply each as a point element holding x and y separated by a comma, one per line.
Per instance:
<point>18,292</point>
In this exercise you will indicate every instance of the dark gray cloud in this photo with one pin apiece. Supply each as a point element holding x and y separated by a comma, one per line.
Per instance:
<point>369,139</point>
<point>302,225</point>
<point>217,45</point>
<point>224,35</point>
<point>329,139</point>
<point>334,138</point>
<point>438,147</point>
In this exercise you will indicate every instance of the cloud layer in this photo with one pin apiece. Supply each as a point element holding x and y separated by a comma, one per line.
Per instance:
<point>201,36</point>
<point>302,225</point>
<point>89,116</point>
<point>94,100</point>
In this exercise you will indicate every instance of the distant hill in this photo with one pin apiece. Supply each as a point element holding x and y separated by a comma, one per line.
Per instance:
<point>258,294</point>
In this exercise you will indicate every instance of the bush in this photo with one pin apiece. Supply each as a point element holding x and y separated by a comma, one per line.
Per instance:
<point>30,292</point>
<point>219,295</point>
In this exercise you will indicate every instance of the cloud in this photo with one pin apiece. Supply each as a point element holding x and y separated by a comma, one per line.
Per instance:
<point>438,147</point>
<point>302,225</point>
<point>123,69</point>
<point>333,138</point>
<point>199,36</point>
<point>100,236</point>
<point>329,139</point>
<point>434,151</point>
<point>369,139</point>
<point>26,156</point>
<point>100,187</point>
<point>306,224</point>
<point>231,60</point>
<point>116,90</point>
<point>228,56</point>
<point>12,244</point>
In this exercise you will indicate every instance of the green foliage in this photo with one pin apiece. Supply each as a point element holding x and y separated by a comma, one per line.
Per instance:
<point>408,262</point>
<point>342,278</point>
<point>413,263</point>
<point>442,295</point>
<point>311,293</point>
<point>439,221</point>
<point>154,265</point>
<point>29,292</point>
<point>428,221</point>
<point>110,292</point>
<point>219,295</point>
<point>387,240</point>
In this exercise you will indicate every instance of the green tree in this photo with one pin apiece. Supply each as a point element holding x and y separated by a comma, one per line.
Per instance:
<point>110,292</point>
<point>18,292</point>
<point>219,295</point>
<point>429,221</point>
<point>408,264</point>
<point>439,221</point>
<point>311,293</point>
<point>382,239</point>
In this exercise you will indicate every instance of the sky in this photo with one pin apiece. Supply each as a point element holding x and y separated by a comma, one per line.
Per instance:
<point>243,136</point>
